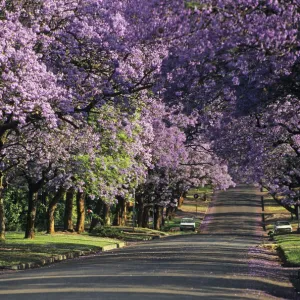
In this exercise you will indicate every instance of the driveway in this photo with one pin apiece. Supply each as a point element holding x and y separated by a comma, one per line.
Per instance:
<point>223,262</point>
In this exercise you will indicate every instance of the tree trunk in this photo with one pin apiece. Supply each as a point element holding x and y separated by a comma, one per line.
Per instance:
<point>2,211</point>
<point>96,215</point>
<point>51,210</point>
<point>145,219</point>
<point>68,222</point>
<point>169,212</point>
<point>31,214</point>
<point>123,211</point>
<point>120,216</point>
<point>33,188</point>
<point>106,214</point>
<point>158,214</point>
<point>180,202</point>
<point>116,221</point>
<point>140,210</point>
<point>80,212</point>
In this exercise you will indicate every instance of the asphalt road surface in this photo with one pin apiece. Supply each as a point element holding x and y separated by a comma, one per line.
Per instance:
<point>216,264</point>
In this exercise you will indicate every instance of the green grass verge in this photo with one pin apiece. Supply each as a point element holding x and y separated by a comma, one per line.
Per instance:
<point>289,247</point>
<point>16,250</point>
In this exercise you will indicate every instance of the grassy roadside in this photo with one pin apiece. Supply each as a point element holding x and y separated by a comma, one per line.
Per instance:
<point>288,244</point>
<point>17,250</point>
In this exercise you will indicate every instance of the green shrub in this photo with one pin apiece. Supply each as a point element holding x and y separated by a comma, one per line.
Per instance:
<point>15,209</point>
<point>13,216</point>
<point>106,231</point>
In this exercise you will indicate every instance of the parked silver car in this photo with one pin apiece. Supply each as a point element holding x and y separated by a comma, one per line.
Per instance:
<point>282,227</point>
<point>187,224</point>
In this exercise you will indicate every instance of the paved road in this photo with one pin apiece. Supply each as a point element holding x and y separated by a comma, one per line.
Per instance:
<point>217,264</point>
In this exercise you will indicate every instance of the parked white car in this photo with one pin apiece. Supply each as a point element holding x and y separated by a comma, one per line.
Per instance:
<point>282,227</point>
<point>187,224</point>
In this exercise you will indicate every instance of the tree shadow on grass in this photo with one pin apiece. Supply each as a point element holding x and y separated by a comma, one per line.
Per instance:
<point>13,254</point>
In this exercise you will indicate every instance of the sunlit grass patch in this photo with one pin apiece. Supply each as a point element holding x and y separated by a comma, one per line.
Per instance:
<point>272,207</point>
<point>191,208</point>
<point>16,250</point>
<point>128,233</point>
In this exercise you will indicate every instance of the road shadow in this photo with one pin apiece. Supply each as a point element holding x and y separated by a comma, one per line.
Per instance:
<point>224,261</point>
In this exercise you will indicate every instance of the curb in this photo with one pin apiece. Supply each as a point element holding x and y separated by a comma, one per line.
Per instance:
<point>58,258</point>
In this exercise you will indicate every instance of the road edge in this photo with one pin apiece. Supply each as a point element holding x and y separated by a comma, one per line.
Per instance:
<point>61,257</point>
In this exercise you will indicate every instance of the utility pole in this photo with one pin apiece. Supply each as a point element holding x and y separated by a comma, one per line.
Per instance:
<point>196,196</point>
<point>133,209</point>
<point>153,216</point>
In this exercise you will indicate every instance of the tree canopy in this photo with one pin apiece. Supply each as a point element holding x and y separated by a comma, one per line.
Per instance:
<point>104,97</point>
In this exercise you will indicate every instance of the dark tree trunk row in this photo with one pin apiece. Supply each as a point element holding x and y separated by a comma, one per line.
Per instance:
<point>33,188</point>
<point>31,214</point>
<point>143,211</point>
<point>158,217</point>
<point>140,211</point>
<point>68,222</point>
<point>106,214</point>
<point>121,211</point>
<point>170,212</point>
<point>145,221</point>
<point>51,209</point>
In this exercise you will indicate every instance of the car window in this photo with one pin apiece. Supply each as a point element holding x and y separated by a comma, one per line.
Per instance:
<point>187,220</point>
<point>282,223</point>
